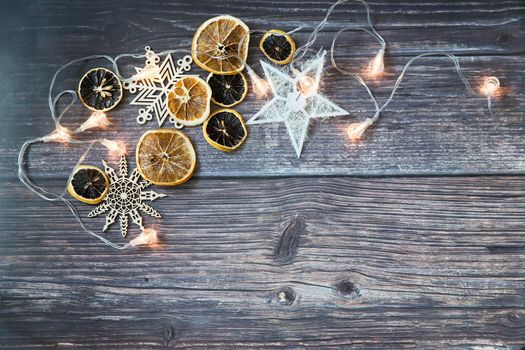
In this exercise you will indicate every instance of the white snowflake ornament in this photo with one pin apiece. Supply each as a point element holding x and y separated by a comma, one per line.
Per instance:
<point>125,198</point>
<point>153,82</point>
<point>296,100</point>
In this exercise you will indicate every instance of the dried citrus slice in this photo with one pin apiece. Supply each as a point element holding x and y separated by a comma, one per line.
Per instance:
<point>227,90</point>
<point>165,157</point>
<point>225,130</point>
<point>278,46</point>
<point>100,89</point>
<point>189,101</point>
<point>219,43</point>
<point>88,184</point>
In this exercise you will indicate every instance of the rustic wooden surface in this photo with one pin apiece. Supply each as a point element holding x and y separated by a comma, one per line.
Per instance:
<point>263,250</point>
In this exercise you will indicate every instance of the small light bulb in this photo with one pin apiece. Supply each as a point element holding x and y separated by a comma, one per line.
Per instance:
<point>307,85</point>
<point>260,86</point>
<point>490,86</point>
<point>356,130</point>
<point>147,237</point>
<point>116,148</point>
<point>60,134</point>
<point>97,119</point>
<point>150,72</point>
<point>376,67</point>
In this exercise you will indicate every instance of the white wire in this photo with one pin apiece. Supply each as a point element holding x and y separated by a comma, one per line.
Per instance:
<point>489,104</point>
<point>355,76</point>
<point>378,108</point>
<point>299,54</point>
<point>52,197</point>
<point>301,51</point>
<point>409,63</point>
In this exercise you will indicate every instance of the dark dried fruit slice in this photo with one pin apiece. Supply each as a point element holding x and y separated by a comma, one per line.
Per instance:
<point>225,130</point>
<point>227,90</point>
<point>278,46</point>
<point>100,90</point>
<point>88,184</point>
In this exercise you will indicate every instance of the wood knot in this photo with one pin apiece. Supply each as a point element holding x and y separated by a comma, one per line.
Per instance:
<point>146,279</point>
<point>286,296</point>
<point>288,243</point>
<point>505,39</point>
<point>168,334</point>
<point>346,287</point>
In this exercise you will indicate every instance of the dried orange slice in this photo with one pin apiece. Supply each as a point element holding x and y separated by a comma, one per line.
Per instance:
<point>278,46</point>
<point>165,157</point>
<point>227,90</point>
<point>219,43</point>
<point>189,101</point>
<point>100,90</point>
<point>225,130</point>
<point>88,184</point>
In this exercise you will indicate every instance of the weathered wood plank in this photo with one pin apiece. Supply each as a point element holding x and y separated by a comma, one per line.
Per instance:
<point>334,262</point>
<point>420,263</point>
<point>433,127</point>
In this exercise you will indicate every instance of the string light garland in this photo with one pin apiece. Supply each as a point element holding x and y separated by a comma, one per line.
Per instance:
<point>490,89</point>
<point>304,87</point>
<point>97,119</point>
<point>63,135</point>
<point>355,130</point>
<point>148,237</point>
<point>376,68</point>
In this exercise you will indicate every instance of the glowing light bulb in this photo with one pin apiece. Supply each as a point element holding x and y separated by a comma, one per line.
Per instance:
<point>147,237</point>
<point>356,130</point>
<point>490,86</point>
<point>260,86</point>
<point>150,71</point>
<point>60,134</point>
<point>97,119</point>
<point>116,148</point>
<point>307,85</point>
<point>376,67</point>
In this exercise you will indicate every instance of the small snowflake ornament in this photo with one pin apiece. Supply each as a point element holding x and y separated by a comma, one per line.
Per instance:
<point>296,100</point>
<point>125,198</point>
<point>153,82</point>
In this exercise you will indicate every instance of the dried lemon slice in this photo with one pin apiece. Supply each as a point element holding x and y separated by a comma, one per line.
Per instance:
<point>278,46</point>
<point>189,101</point>
<point>88,184</point>
<point>219,43</point>
<point>227,90</point>
<point>225,130</point>
<point>100,90</point>
<point>165,157</point>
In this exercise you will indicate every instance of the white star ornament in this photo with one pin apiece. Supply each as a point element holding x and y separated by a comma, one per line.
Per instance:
<point>296,100</point>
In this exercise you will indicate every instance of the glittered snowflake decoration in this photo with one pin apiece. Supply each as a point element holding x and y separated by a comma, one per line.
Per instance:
<point>296,100</point>
<point>125,198</point>
<point>153,82</point>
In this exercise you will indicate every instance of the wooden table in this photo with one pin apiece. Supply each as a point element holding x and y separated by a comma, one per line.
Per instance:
<point>412,238</point>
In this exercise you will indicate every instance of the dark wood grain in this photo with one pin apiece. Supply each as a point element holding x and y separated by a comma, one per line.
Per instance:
<point>433,126</point>
<point>420,263</point>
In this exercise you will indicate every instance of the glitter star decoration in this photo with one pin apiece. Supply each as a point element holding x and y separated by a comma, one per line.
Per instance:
<point>153,82</point>
<point>296,100</point>
<point>125,198</point>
